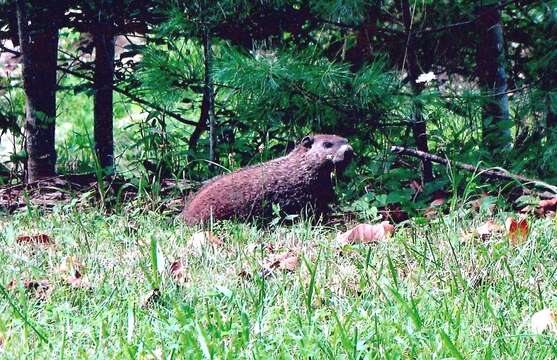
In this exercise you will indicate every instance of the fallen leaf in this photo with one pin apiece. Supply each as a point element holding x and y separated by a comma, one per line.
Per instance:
<point>40,289</point>
<point>287,261</point>
<point>200,239</point>
<point>546,206</point>
<point>438,202</point>
<point>178,271</point>
<point>244,274</point>
<point>488,228</point>
<point>77,280</point>
<point>543,320</point>
<point>431,213</point>
<point>466,236</point>
<point>69,265</point>
<point>366,233</point>
<point>517,230</point>
<point>71,270</point>
<point>41,239</point>
<point>483,231</point>
<point>151,298</point>
<point>527,209</point>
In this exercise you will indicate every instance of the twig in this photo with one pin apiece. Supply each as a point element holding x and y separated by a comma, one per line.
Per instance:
<point>495,173</point>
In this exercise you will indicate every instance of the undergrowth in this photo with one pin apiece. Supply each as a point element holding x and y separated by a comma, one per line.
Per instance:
<point>424,293</point>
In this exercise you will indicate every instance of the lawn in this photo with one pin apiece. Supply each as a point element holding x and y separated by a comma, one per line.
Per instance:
<point>427,292</point>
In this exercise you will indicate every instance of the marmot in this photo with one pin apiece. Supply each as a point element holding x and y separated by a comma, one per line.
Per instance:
<point>299,179</point>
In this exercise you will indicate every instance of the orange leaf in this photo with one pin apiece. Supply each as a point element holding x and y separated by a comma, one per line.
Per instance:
<point>517,230</point>
<point>366,233</point>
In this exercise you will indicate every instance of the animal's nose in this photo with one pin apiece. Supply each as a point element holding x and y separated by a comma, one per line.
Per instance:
<point>348,152</point>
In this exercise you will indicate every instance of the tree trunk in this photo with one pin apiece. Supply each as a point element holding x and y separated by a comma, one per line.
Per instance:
<point>551,126</point>
<point>490,62</point>
<point>38,38</point>
<point>419,129</point>
<point>210,94</point>
<point>551,120</point>
<point>103,83</point>
<point>201,125</point>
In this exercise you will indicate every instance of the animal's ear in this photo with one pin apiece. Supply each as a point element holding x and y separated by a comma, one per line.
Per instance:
<point>308,141</point>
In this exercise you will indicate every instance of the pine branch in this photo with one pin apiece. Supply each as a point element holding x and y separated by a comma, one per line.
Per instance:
<point>126,93</point>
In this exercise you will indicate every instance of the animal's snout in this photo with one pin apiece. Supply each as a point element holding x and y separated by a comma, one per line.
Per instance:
<point>348,152</point>
<point>343,157</point>
<point>344,154</point>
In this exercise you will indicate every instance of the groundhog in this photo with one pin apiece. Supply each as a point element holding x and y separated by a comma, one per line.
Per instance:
<point>295,181</point>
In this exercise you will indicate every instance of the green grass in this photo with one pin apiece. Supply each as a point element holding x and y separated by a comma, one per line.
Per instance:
<point>422,294</point>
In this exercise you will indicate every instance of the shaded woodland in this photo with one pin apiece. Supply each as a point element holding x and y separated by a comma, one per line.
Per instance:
<point>183,89</point>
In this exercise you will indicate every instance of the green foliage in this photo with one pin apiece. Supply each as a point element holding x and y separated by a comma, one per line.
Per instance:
<point>284,68</point>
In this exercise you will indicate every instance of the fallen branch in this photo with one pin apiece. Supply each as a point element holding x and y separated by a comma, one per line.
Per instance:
<point>494,173</point>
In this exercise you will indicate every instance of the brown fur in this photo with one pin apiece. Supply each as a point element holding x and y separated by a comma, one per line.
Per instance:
<point>301,178</point>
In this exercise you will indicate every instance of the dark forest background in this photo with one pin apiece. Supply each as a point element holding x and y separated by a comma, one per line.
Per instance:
<point>153,90</point>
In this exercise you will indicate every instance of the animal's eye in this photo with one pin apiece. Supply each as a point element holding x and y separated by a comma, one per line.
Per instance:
<point>327,144</point>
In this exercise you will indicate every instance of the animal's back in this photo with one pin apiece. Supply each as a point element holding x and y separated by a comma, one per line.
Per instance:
<point>303,177</point>
<point>239,194</point>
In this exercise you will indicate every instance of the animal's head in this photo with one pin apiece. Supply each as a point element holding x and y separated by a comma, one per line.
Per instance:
<point>329,149</point>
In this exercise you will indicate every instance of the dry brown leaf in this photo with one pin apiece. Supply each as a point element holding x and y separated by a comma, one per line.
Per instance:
<point>430,213</point>
<point>517,230</point>
<point>40,289</point>
<point>488,228</point>
<point>483,231</point>
<point>77,280</point>
<point>546,207</point>
<point>41,239</point>
<point>151,298</point>
<point>287,261</point>
<point>366,233</point>
<point>69,265</point>
<point>543,320</point>
<point>438,202</point>
<point>178,271</point>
